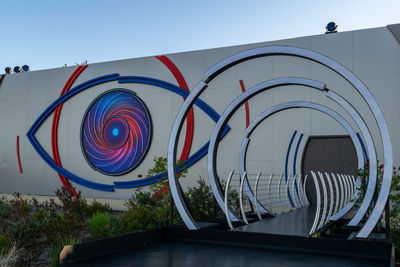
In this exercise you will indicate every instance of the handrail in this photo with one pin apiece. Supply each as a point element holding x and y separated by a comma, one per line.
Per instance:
<point>318,208</point>
<point>331,198</point>
<point>279,194</point>
<point>325,208</point>
<point>335,210</point>
<point>269,194</point>
<point>304,190</point>
<point>299,195</point>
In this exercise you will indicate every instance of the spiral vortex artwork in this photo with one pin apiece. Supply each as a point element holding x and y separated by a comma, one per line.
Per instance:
<point>116,132</point>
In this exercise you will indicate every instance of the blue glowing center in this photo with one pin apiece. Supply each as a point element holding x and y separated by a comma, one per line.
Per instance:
<point>115,132</point>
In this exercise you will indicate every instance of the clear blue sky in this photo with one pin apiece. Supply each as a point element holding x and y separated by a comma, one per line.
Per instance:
<point>50,33</point>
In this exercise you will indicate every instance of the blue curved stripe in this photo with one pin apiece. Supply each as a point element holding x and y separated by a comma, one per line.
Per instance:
<point>294,164</point>
<point>286,166</point>
<point>122,79</point>
<point>39,149</point>
<point>363,146</point>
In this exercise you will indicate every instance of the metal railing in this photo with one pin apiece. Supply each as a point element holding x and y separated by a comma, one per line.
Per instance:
<point>335,193</point>
<point>270,191</point>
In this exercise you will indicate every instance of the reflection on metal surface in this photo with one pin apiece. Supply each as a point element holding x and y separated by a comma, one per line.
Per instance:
<point>228,218</point>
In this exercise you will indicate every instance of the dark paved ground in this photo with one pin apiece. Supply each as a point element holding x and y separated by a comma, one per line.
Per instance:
<point>199,255</point>
<point>297,222</point>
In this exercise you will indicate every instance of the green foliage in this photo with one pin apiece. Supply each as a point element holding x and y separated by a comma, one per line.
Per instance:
<point>4,244</point>
<point>96,207</point>
<point>201,200</point>
<point>4,207</point>
<point>102,224</point>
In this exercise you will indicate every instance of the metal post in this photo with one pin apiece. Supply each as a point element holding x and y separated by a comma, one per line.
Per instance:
<point>269,194</point>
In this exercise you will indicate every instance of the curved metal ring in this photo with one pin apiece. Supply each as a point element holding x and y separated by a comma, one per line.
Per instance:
<point>325,197</point>
<point>289,51</point>
<point>228,113</point>
<point>356,83</point>
<point>275,109</point>
<point>369,194</point>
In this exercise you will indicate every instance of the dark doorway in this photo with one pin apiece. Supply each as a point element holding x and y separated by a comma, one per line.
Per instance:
<point>327,154</point>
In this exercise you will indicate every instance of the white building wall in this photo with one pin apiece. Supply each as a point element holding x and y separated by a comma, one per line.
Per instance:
<point>373,55</point>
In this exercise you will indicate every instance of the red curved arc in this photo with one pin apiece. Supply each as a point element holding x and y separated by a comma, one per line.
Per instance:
<point>54,128</point>
<point>18,156</point>
<point>190,118</point>
<point>246,104</point>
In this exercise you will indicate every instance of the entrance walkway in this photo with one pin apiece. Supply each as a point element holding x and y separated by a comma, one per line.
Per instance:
<point>296,223</point>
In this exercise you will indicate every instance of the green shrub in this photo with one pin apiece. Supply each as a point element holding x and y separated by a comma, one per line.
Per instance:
<point>96,207</point>
<point>201,200</point>
<point>4,244</point>
<point>102,224</point>
<point>4,207</point>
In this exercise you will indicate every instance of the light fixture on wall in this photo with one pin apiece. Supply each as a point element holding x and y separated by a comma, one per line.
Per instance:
<point>331,27</point>
<point>17,69</point>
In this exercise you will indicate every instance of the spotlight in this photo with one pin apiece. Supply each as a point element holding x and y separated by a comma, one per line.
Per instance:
<point>17,69</point>
<point>331,27</point>
<point>25,68</point>
<point>8,70</point>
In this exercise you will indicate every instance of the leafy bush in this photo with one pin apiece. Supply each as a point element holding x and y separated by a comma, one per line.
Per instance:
<point>102,224</point>
<point>96,207</point>
<point>201,200</point>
